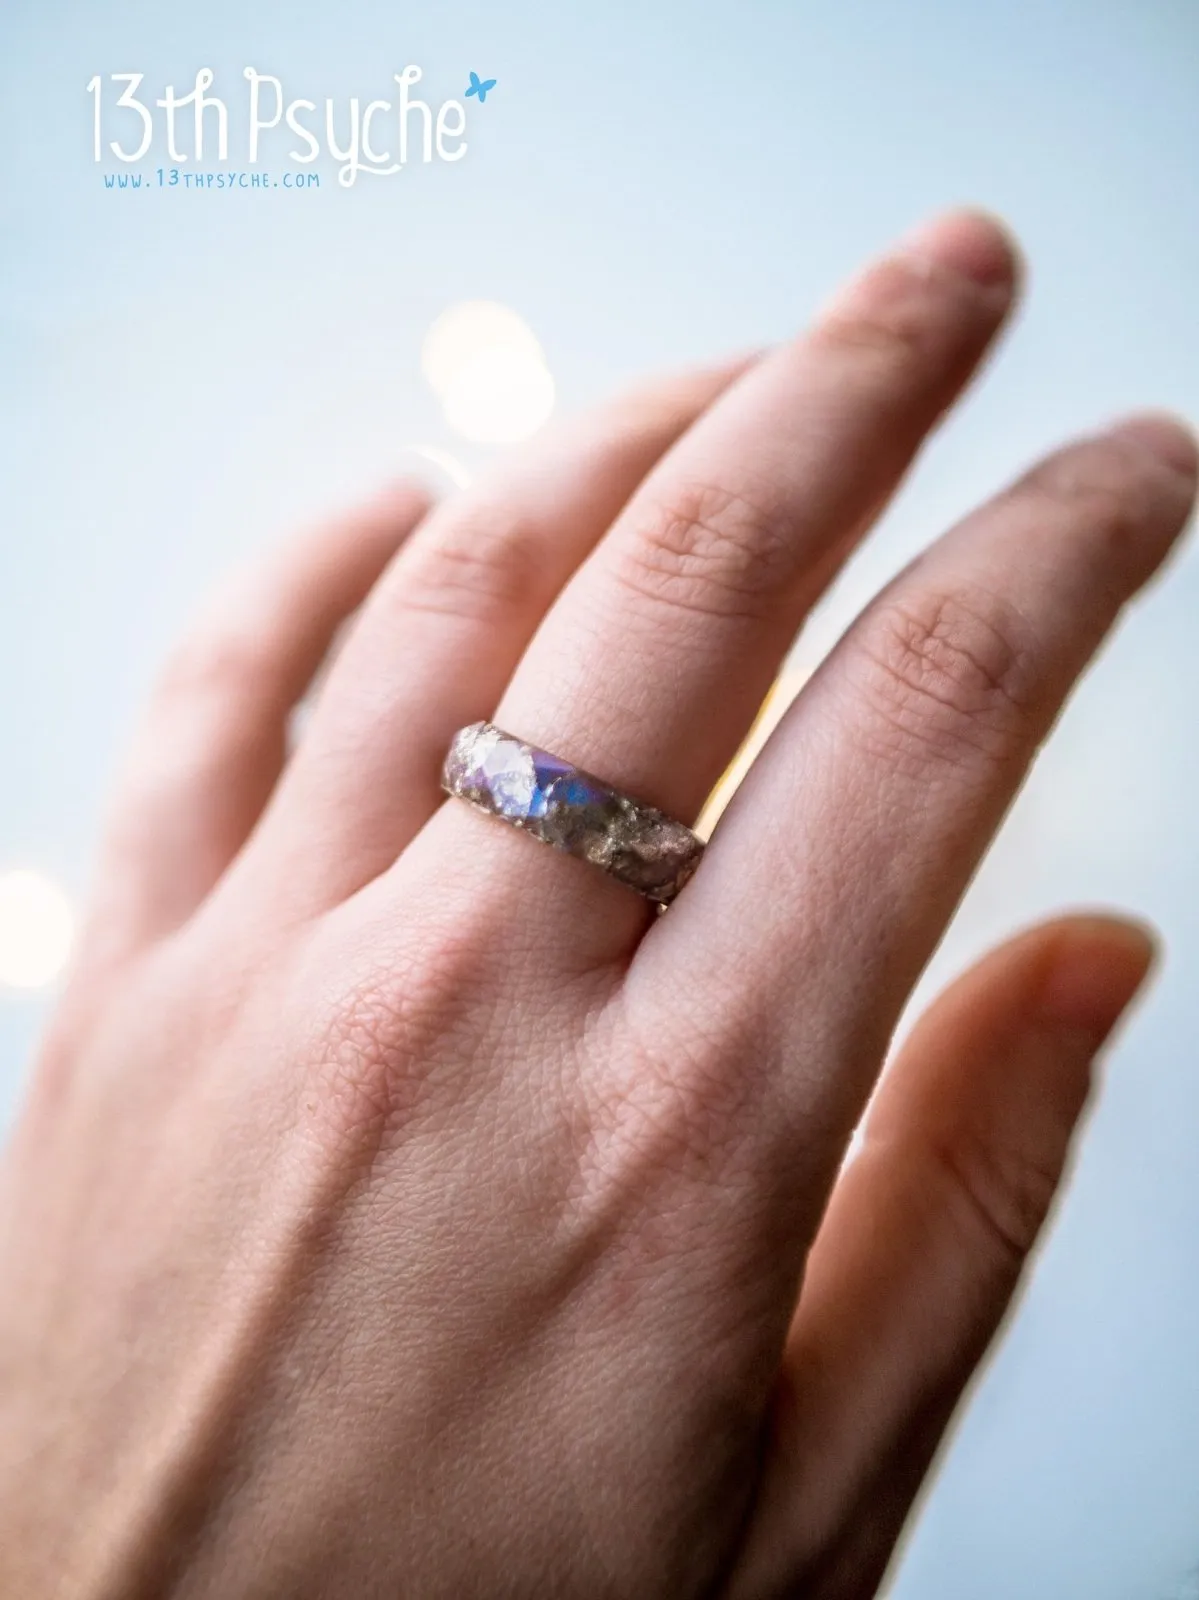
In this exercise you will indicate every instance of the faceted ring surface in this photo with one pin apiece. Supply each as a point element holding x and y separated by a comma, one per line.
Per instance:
<point>571,810</point>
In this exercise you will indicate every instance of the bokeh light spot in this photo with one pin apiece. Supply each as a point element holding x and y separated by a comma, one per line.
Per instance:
<point>485,365</point>
<point>499,397</point>
<point>37,925</point>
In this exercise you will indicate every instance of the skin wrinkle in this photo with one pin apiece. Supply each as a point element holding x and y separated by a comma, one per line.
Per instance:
<point>475,571</point>
<point>711,551</point>
<point>946,671</point>
<point>896,318</point>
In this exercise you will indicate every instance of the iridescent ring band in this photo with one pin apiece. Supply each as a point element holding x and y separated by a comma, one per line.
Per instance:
<point>571,810</point>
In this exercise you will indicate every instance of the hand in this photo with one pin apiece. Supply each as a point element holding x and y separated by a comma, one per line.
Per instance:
<point>399,1208</point>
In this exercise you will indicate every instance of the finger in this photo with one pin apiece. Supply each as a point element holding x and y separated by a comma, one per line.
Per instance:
<point>924,1244</point>
<point>843,854</point>
<point>650,668</point>
<point>444,630</point>
<point>213,742</point>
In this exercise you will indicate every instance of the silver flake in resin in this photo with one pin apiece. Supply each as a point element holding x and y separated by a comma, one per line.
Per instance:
<point>572,810</point>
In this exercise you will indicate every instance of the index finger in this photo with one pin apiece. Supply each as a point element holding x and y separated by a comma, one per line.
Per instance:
<point>841,859</point>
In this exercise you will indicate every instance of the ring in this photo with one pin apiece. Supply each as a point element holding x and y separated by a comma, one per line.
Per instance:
<point>571,810</point>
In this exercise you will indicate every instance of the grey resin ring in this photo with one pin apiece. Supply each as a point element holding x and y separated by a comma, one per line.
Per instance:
<point>570,809</point>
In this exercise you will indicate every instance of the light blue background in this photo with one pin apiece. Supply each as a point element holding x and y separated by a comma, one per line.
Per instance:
<point>183,376</point>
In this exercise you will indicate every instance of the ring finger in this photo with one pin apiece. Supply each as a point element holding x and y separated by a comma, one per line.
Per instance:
<point>442,632</point>
<point>651,665</point>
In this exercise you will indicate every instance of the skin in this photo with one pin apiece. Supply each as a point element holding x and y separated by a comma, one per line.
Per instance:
<point>399,1207</point>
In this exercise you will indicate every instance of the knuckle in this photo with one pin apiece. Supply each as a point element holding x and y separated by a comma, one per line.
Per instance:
<point>214,663</point>
<point>951,672</point>
<point>672,1103</point>
<point>998,1193</point>
<point>415,1027</point>
<point>475,569</point>
<point>402,502</point>
<point>1097,486</point>
<point>893,317</point>
<point>384,1037</point>
<point>366,1065</point>
<point>710,550</point>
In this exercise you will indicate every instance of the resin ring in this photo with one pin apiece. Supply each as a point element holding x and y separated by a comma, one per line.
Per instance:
<point>568,808</point>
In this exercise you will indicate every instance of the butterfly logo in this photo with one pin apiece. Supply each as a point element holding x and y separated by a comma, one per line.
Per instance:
<point>480,86</point>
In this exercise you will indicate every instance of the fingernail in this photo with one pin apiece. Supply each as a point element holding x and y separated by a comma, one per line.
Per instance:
<point>1167,438</point>
<point>1094,975</point>
<point>970,243</point>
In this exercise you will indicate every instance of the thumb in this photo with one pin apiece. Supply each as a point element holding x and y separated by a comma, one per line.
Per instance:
<point>923,1245</point>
